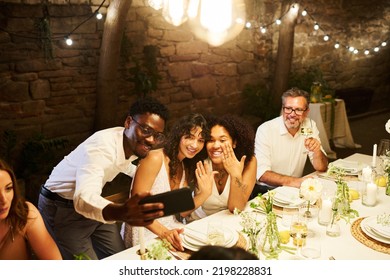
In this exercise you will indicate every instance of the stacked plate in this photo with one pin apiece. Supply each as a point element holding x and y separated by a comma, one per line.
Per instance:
<point>193,239</point>
<point>375,230</point>
<point>350,167</point>
<point>288,197</point>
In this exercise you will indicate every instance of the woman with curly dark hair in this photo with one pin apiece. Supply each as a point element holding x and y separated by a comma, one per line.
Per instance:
<point>23,234</point>
<point>168,168</point>
<point>231,154</point>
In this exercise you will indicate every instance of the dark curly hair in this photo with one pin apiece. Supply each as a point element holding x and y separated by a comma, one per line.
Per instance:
<point>149,105</point>
<point>240,131</point>
<point>183,127</point>
<point>18,212</point>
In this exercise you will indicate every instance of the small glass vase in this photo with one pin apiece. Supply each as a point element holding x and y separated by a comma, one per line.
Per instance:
<point>253,247</point>
<point>269,240</point>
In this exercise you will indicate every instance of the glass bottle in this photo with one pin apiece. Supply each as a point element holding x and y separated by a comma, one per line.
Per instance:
<point>315,92</point>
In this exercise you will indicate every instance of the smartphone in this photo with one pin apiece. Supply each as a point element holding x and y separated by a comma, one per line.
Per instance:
<point>175,201</point>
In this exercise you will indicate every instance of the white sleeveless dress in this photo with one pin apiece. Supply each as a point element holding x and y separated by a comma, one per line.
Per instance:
<point>215,203</point>
<point>160,185</point>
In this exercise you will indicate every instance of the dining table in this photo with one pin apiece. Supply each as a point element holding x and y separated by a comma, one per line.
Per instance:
<point>333,125</point>
<point>351,244</point>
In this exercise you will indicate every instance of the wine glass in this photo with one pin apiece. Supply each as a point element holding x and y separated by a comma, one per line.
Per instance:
<point>306,131</point>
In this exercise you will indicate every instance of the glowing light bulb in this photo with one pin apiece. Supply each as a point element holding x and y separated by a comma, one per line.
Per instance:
<point>99,16</point>
<point>216,21</point>
<point>384,44</point>
<point>337,45</point>
<point>376,49</point>
<point>355,51</point>
<point>175,11</point>
<point>278,21</point>
<point>316,26</point>
<point>351,49</point>
<point>326,38</point>
<point>304,13</point>
<point>263,29</point>
<point>248,25</point>
<point>68,41</point>
<point>366,52</point>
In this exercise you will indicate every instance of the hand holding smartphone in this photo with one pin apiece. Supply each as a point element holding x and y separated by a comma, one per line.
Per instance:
<point>175,201</point>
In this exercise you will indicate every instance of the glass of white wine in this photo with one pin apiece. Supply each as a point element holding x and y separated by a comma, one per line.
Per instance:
<point>298,231</point>
<point>215,234</point>
<point>306,131</point>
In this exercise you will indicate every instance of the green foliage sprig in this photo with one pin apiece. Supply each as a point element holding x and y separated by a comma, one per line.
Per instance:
<point>341,202</point>
<point>159,250</point>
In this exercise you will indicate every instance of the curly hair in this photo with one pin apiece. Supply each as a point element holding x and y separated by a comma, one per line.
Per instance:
<point>149,105</point>
<point>18,212</point>
<point>241,133</point>
<point>183,127</point>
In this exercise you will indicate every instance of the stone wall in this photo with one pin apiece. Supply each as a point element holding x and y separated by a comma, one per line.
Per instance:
<point>56,97</point>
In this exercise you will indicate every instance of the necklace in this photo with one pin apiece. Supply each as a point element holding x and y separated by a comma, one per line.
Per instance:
<point>221,176</point>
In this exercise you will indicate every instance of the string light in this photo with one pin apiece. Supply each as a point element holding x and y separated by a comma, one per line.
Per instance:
<point>68,41</point>
<point>99,16</point>
<point>326,36</point>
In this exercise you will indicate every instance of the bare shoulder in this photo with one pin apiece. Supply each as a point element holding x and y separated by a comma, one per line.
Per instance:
<point>154,156</point>
<point>33,212</point>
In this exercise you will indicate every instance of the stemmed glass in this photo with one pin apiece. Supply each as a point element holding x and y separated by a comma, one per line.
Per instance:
<point>307,131</point>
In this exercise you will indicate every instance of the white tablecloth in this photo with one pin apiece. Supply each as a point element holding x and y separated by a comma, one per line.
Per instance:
<point>344,247</point>
<point>341,134</point>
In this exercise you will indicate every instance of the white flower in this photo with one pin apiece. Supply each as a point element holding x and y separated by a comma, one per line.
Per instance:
<point>311,189</point>
<point>387,126</point>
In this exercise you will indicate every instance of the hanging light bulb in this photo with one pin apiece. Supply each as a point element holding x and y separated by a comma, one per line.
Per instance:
<point>316,26</point>
<point>384,44</point>
<point>351,49</point>
<point>355,51</point>
<point>326,38</point>
<point>248,25</point>
<point>337,45</point>
<point>304,13</point>
<point>376,49</point>
<point>366,52</point>
<point>156,4</point>
<point>278,21</point>
<point>68,41</point>
<point>216,21</point>
<point>175,11</point>
<point>99,16</point>
<point>263,29</point>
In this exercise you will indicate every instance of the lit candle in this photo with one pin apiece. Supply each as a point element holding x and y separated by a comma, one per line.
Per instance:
<point>326,211</point>
<point>141,238</point>
<point>374,156</point>
<point>371,191</point>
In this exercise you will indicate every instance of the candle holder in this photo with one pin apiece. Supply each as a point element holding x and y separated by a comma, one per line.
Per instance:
<point>369,194</point>
<point>143,256</point>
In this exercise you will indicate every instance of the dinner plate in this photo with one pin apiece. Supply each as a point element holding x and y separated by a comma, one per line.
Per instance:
<point>364,225</point>
<point>192,241</point>
<point>378,228</point>
<point>288,197</point>
<point>350,167</point>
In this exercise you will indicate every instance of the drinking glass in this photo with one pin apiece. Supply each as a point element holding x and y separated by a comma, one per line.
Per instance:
<point>298,230</point>
<point>312,248</point>
<point>384,145</point>
<point>215,234</point>
<point>306,131</point>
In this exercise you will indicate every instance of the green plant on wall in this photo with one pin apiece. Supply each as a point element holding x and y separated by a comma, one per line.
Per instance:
<point>258,102</point>
<point>143,73</point>
<point>44,32</point>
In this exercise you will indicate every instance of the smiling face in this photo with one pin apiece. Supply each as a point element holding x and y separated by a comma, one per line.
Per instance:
<point>6,194</point>
<point>219,135</point>
<point>191,144</point>
<point>292,121</point>
<point>140,135</point>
